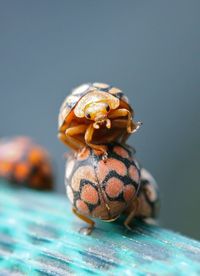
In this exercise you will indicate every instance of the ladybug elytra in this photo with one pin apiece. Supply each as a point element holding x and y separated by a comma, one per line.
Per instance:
<point>105,190</point>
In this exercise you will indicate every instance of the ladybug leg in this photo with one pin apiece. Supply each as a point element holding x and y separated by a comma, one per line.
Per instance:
<point>68,139</point>
<point>88,138</point>
<point>76,130</point>
<point>131,215</point>
<point>86,230</point>
<point>121,123</point>
<point>123,112</point>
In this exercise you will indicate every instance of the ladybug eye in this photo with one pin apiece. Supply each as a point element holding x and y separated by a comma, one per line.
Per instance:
<point>108,108</point>
<point>88,115</point>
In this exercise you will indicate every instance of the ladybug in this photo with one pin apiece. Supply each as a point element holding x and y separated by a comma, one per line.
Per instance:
<point>147,205</point>
<point>25,163</point>
<point>105,190</point>
<point>95,114</point>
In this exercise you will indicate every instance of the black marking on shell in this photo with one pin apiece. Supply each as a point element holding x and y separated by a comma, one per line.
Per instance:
<point>119,95</point>
<point>71,104</point>
<point>77,194</point>
<point>105,89</point>
<point>125,180</point>
<point>153,204</point>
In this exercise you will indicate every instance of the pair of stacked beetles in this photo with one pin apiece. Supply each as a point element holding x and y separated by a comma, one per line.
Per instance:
<point>103,179</point>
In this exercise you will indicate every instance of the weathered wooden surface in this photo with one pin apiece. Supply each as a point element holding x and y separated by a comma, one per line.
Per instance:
<point>39,236</point>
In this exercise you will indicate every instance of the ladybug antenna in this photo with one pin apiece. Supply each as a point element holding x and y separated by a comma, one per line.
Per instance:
<point>137,126</point>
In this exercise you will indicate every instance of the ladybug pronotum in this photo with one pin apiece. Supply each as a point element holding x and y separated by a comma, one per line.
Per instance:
<point>25,163</point>
<point>95,114</point>
<point>105,190</point>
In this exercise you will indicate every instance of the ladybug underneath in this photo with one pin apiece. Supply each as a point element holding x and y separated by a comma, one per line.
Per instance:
<point>25,163</point>
<point>95,114</point>
<point>105,190</point>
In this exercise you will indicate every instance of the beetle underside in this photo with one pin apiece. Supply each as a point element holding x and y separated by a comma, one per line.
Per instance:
<point>81,131</point>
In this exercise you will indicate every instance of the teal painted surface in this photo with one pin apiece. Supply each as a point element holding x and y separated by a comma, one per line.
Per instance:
<point>39,236</point>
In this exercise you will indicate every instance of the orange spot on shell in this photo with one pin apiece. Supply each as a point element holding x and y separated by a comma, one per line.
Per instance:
<point>5,168</point>
<point>111,164</point>
<point>129,192</point>
<point>82,207</point>
<point>133,173</point>
<point>84,172</point>
<point>21,171</point>
<point>121,152</point>
<point>114,187</point>
<point>89,194</point>
<point>36,155</point>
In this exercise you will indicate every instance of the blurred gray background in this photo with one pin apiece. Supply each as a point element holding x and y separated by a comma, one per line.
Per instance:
<point>150,49</point>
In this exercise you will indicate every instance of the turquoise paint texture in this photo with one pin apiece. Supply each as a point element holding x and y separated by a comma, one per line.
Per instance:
<point>39,235</point>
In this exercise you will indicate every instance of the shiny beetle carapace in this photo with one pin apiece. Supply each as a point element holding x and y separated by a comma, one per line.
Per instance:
<point>106,190</point>
<point>25,163</point>
<point>94,115</point>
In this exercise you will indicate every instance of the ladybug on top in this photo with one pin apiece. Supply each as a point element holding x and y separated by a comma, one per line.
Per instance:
<point>95,114</point>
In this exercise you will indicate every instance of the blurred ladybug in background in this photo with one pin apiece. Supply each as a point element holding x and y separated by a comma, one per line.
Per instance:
<point>25,163</point>
<point>95,114</point>
<point>106,190</point>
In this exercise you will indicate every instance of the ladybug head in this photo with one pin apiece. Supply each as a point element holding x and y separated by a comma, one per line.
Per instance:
<point>98,112</point>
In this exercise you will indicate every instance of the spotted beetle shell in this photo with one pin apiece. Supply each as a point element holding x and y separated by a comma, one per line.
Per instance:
<point>70,102</point>
<point>25,163</point>
<point>148,197</point>
<point>102,189</point>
